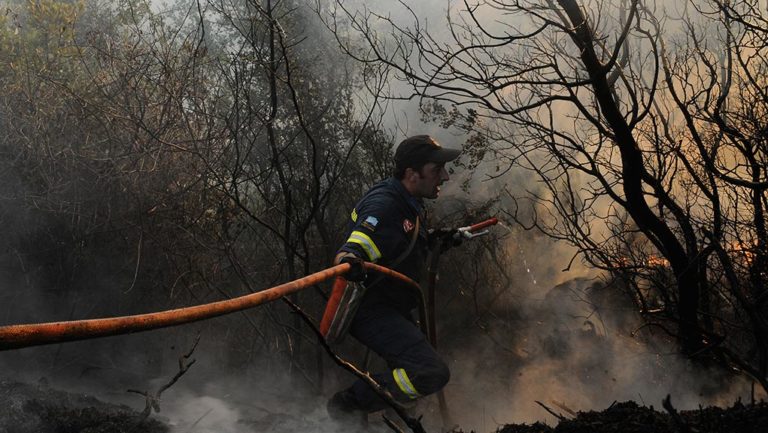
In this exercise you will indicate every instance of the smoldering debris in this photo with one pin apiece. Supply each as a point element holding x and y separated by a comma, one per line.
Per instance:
<point>26,408</point>
<point>40,408</point>
<point>629,417</point>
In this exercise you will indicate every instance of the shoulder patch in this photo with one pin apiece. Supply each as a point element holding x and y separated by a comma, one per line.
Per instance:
<point>372,220</point>
<point>407,225</point>
<point>370,223</point>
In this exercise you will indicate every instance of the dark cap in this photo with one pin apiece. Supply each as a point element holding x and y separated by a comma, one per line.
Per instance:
<point>421,149</point>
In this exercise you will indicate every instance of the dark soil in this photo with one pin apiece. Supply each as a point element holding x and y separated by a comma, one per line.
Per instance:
<point>28,408</point>
<point>628,417</point>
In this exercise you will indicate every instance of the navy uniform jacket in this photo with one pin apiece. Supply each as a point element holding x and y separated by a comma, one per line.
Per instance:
<point>380,229</point>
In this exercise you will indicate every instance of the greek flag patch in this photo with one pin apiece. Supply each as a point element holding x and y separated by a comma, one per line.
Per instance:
<point>370,223</point>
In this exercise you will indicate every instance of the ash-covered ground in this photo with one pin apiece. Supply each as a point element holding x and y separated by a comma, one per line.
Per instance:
<point>38,408</point>
<point>629,417</point>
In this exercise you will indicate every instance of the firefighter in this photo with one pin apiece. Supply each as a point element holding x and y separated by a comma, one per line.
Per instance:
<point>387,227</point>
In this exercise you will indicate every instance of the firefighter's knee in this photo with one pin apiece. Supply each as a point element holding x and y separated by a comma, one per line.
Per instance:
<point>436,376</point>
<point>424,381</point>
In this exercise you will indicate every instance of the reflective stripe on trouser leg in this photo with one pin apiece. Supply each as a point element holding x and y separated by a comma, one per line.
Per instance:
<point>404,383</point>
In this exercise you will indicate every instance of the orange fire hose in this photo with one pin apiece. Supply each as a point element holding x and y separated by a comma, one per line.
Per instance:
<point>36,334</point>
<point>481,225</point>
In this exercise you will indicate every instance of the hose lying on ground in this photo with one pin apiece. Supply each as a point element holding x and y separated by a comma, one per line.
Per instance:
<point>36,334</point>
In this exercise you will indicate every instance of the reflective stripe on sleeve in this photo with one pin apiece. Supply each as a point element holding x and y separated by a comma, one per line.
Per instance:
<point>405,385</point>
<point>368,245</point>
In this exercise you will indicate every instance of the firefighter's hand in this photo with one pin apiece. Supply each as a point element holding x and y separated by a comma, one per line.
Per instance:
<point>445,239</point>
<point>356,271</point>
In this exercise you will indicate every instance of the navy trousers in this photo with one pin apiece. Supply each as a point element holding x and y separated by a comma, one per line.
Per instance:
<point>415,369</point>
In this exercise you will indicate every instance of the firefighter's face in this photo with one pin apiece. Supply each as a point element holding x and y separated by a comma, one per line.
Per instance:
<point>430,177</point>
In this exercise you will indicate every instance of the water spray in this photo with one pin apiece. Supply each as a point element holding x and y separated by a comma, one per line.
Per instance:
<point>522,255</point>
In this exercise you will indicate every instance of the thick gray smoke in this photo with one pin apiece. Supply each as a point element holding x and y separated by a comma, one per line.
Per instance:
<point>568,338</point>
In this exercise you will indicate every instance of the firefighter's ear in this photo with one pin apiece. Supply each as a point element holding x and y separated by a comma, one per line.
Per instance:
<point>412,175</point>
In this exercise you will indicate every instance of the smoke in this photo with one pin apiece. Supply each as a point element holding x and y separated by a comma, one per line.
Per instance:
<point>560,333</point>
<point>570,348</point>
<point>189,412</point>
<point>231,410</point>
<point>212,400</point>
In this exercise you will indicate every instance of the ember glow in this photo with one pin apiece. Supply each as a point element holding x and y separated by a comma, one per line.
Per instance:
<point>657,262</point>
<point>744,251</point>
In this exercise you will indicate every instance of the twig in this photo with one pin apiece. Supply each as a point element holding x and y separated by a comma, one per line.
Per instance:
<point>200,419</point>
<point>681,426</point>
<point>149,403</point>
<point>562,406</point>
<point>183,367</point>
<point>413,423</point>
<point>391,424</point>
<point>138,262</point>
<point>152,399</point>
<point>556,415</point>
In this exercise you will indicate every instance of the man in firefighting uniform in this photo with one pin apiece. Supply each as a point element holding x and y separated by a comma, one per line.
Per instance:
<point>387,227</point>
